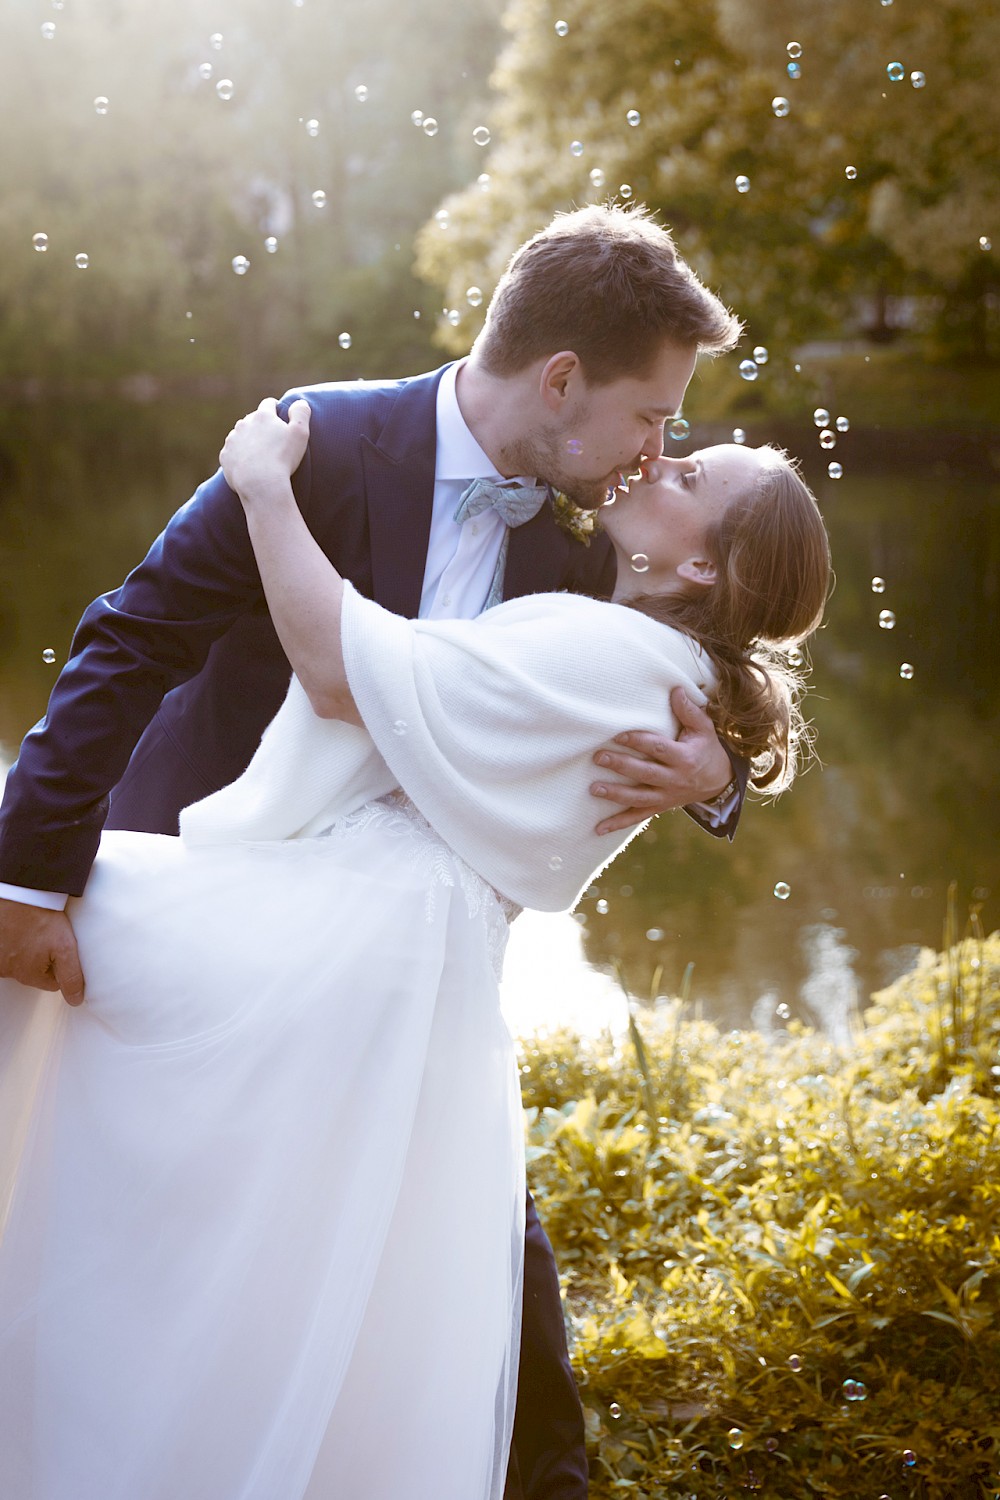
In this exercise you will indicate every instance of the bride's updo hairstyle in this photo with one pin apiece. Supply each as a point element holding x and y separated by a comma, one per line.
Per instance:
<point>773,576</point>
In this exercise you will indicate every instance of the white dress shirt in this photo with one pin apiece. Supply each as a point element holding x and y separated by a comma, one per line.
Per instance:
<point>461,559</point>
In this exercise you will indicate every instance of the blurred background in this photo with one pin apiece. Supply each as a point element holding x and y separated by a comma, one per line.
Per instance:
<point>205,203</point>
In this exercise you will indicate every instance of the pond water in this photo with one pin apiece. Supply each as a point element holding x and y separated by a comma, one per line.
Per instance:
<point>904,801</point>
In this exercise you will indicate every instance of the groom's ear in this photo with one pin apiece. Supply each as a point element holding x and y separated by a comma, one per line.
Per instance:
<point>697,570</point>
<point>556,378</point>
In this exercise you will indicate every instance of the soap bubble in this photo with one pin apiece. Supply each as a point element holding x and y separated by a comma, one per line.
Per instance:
<point>429,125</point>
<point>205,71</point>
<point>576,148</point>
<point>795,657</point>
<point>442,218</point>
<point>48,30</point>
<point>625,190</point>
<point>794,49</point>
<point>562,28</point>
<point>634,117</point>
<point>827,439</point>
<point>878,585</point>
<point>574,447</point>
<point>739,436</point>
<point>794,70</point>
<point>735,1437</point>
<point>319,198</point>
<point>835,470</point>
<point>615,1410</point>
<point>640,562</point>
<point>918,79</point>
<point>896,71</point>
<point>312,128</point>
<point>417,117</point>
<point>215,41</point>
<point>601,907</point>
<point>481,135</point>
<point>748,369</point>
<point>597,177</point>
<point>474,296</point>
<point>742,184</point>
<point>654,935</point>
<point>842,424</point>
<point>887,620</point>
<point>225,88</point>
<point>679,429</point>
<point>483,182</point>
<point>794,1363</point>
<point>454,316</point>
<point>82,260</point>
<point>361,93</point>
<point>782,890</point>
<point>854,1390</point>
<point>821,417</point>
<point>906,671</point>
<point>344,340</point>
<point>760,355</point>
<point>782,1011</point>
<point>780,105</point>
<point>909,1457</point>
<point>240,265</point>
<point>40,242</point>
<point>101,104</point>
<point>985,243</point>
<point>271,245</point>
<point>48,656</point>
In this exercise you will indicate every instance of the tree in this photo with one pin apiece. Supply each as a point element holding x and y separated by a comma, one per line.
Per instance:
<point>178,174</point>
<point>868,179</point>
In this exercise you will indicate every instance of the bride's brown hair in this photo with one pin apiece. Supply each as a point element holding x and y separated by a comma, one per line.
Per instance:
<point>773,575</point>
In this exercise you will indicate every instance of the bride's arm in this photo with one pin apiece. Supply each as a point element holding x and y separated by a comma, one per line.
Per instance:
<point>303,589</point>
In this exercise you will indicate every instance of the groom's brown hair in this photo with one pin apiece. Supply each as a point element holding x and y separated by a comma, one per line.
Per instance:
<point>607,283</point>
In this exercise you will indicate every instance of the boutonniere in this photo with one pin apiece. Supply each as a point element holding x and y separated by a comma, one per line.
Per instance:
<point>577,523</point>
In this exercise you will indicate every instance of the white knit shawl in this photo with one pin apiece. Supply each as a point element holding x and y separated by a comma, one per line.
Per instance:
<point>489,726</point>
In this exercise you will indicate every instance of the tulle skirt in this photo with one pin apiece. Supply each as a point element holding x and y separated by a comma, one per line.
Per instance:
<point>262,1195</point>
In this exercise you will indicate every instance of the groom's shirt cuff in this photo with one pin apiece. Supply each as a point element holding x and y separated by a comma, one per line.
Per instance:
<point>50,900</point>
<point>714,815</point>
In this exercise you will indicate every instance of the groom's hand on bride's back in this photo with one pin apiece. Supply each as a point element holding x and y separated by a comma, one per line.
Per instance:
<point>38,948</point>
<point>661,774</point>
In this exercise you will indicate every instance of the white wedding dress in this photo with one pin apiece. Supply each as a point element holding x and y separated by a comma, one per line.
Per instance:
<point>262,1195</point>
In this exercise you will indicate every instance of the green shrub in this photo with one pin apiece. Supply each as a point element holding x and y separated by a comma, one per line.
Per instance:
<point>781,1262</point>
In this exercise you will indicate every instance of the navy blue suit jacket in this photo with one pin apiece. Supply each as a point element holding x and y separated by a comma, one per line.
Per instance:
<point>172,678</point>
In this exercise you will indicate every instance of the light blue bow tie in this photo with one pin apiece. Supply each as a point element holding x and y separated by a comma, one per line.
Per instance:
<point>514,503</point>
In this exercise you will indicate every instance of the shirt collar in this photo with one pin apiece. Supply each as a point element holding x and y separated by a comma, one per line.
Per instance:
<point>459,456</point>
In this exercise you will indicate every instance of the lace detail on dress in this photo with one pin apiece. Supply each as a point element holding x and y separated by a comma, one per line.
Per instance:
<point>441,867</point>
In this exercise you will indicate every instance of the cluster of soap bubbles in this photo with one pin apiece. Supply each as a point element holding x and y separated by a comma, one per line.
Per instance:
<point>750,368</point>
<point>828,437</point>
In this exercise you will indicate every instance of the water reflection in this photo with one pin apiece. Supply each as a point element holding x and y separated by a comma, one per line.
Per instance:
<point>905,801</point>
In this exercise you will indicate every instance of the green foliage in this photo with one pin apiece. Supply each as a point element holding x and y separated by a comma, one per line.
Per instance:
<point>788,1277</point>
<point>798,250</point>
<point>173,181</point>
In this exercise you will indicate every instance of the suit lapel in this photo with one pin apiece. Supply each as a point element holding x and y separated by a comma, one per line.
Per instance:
<point>536,557</point>
<point>399,491</point>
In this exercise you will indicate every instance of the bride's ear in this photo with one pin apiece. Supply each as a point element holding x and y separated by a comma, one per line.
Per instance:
<point>697,570</point>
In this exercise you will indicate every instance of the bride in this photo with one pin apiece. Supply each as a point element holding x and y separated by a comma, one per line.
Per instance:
<point>226,1271</point>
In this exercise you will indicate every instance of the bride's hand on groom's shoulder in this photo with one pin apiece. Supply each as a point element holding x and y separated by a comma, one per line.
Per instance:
<point>263,451</point>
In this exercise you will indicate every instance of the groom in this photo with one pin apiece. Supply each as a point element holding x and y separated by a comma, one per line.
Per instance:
<point>588,347</point>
